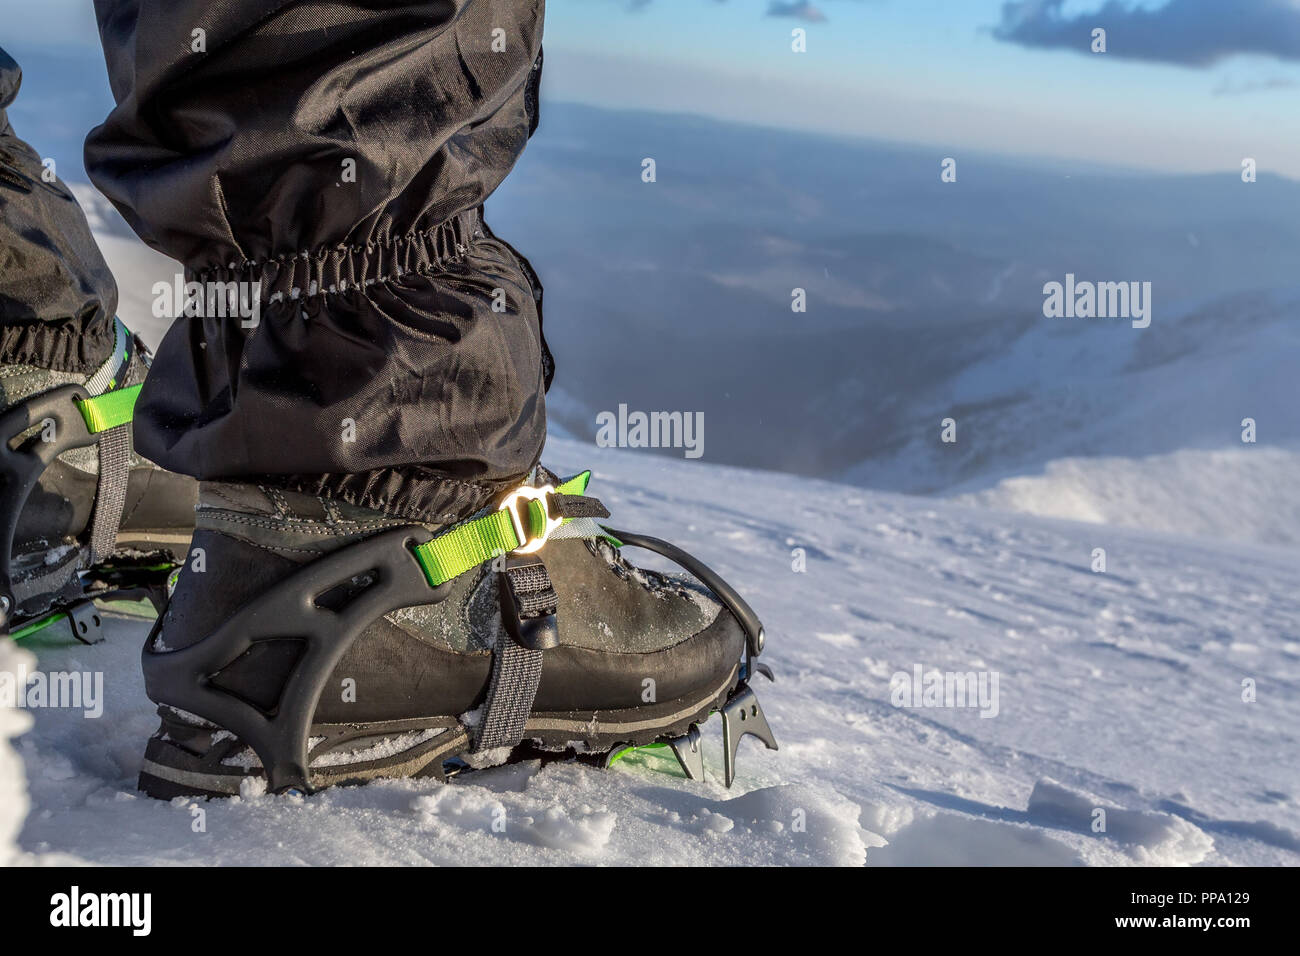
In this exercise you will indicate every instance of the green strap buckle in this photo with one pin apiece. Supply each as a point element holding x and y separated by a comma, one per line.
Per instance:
<point>528,504</point>
<point>109,410</point>
<point>522,524</point>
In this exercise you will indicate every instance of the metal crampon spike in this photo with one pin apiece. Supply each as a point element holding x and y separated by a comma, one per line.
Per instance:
<point>750,667</point>
<point>742,715</point>
<point>689,753</point>
<point>86,623</point>
<point>615,752</point>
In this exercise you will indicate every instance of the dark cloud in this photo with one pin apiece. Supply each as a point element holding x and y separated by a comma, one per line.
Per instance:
<point>1186,32</point>
<point>798,10</point>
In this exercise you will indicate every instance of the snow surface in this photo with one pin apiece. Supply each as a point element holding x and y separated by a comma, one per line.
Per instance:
<point>13,787</point>
<point>1250,493</point>
<point>1075,389</point>
<point>1119,690</point>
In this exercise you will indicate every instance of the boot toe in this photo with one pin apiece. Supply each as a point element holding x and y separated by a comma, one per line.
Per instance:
<point>585,678</point>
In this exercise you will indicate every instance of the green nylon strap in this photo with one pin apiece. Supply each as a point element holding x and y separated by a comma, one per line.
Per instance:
<point>577,485</point>
<point>470,543</point>
<point>110,409</point>
<point>27,630</point>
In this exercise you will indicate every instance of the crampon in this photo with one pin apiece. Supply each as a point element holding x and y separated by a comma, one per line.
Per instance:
<point>347,647</point>
<point>82,519</point>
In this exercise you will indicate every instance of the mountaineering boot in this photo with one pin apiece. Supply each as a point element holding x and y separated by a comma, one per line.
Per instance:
<point>311,643</point>
<point>81,515</point>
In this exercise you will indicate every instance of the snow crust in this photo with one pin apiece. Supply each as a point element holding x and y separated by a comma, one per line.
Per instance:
<point>1119,691</point>
<point>1249,493</point>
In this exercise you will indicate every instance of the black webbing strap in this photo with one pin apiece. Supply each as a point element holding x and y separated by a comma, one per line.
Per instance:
<point>528,606</point>
<point>575,506</point>
<point>110,496</point>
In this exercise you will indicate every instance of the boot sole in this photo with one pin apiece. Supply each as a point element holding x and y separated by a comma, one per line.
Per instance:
<point>175,542</point>
<point>346,754</point>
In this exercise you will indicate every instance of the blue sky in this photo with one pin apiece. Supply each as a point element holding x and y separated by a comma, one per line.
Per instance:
<point>1187,85</point>
<point>934,72</point>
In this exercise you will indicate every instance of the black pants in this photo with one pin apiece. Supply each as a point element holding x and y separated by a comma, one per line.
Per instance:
<point>57,296</point>
<point>332,160</point>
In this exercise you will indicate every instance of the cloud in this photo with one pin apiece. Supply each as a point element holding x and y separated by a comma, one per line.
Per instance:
<point>1231,87</point>
<point>1185,32</point>
<point>793,9</point>
<point>798,10</point>
<point>634,5</point>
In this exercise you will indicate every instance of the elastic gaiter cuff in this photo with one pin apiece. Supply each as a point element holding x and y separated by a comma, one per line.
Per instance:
<point>329,162</point>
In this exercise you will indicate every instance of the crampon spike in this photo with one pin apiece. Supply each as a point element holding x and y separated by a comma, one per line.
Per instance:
<point>617,753</point>
<point>86,623</point>
<point>758,667</point>
<point>689,753</point>
<point>742,715</point>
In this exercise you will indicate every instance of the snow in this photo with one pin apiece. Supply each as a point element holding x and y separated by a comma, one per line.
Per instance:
<point>1249,493</point>
<point>1119,691</point>
<point>13,786</point>
<point>1055,411</point>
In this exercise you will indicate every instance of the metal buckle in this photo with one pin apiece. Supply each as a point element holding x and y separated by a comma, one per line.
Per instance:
<point>511,504</point>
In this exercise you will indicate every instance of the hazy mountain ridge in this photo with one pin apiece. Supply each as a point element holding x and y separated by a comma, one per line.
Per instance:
<point>916,289</point>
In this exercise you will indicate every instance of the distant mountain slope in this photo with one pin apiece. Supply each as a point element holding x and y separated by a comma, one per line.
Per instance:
<point>1073,388</point>
<point>1238,494</point>
<point>924,299</point>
